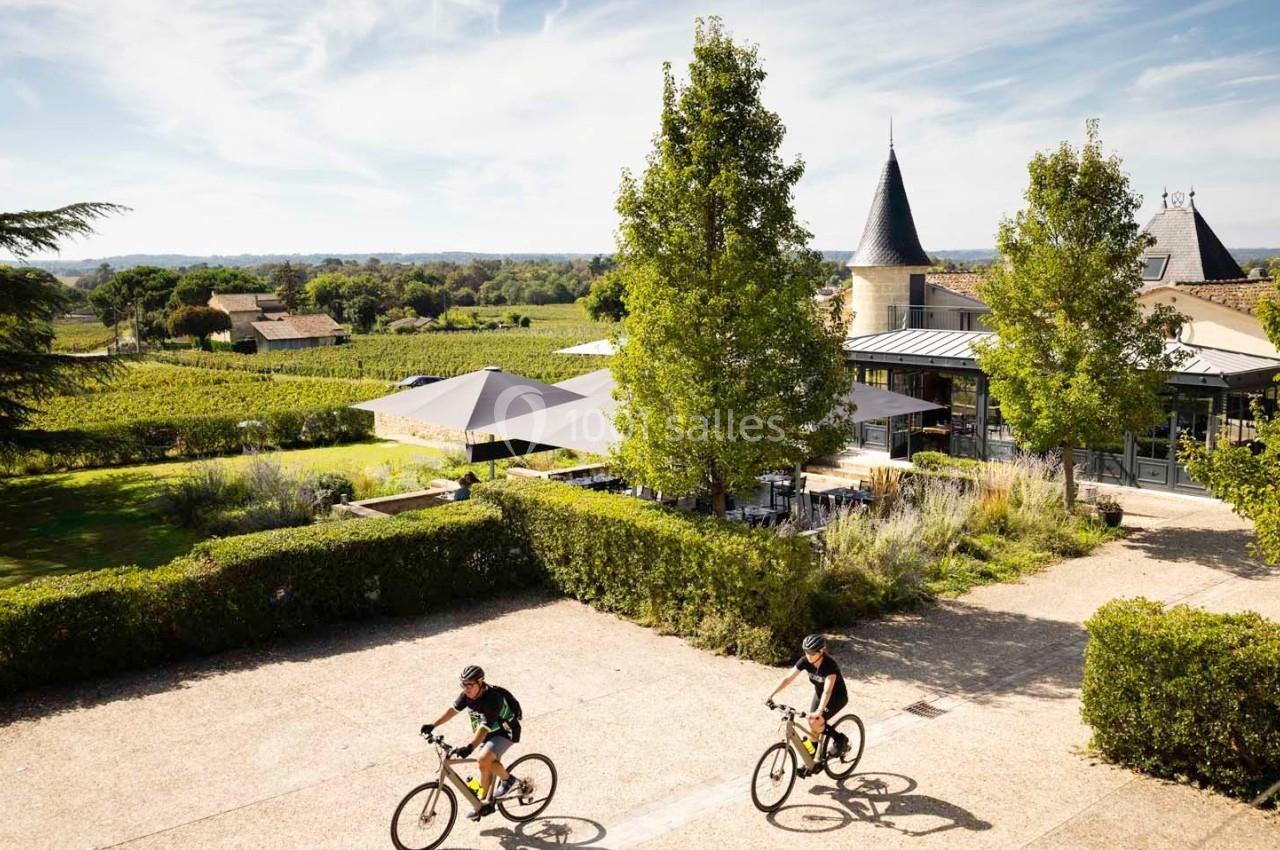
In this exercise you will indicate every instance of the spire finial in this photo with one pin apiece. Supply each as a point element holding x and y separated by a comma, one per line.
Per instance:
<point>1164,198</point>
<point>890,132</point>
<point>1192,197</point>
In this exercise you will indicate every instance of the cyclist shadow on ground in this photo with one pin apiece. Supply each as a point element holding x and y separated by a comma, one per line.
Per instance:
<point>881,800</point>
<point>545,833</point>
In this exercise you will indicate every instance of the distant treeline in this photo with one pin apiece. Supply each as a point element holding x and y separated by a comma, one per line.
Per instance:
<point>428,287</point>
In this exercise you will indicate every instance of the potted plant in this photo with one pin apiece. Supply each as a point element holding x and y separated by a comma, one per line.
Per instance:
<point>1109,510</point>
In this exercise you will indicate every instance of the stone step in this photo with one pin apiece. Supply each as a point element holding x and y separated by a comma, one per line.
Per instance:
<point>840,472</point>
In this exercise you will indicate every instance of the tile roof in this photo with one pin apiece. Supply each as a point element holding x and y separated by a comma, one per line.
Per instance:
<point>244,302</point>
<point>889,238</point>
<point>961,283</point>
<point>309,326</point>
<point>1242,295</point>
<point>1195,252</point>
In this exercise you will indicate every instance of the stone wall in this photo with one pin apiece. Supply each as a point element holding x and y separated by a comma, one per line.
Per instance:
<point>874,290</point>
<point>385,425</point>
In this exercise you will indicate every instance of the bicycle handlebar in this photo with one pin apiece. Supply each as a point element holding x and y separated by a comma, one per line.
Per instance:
<point>438,740</point>
<point>787,710</point>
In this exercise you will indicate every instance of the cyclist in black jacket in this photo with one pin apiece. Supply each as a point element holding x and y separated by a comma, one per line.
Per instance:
<point>495,717</point>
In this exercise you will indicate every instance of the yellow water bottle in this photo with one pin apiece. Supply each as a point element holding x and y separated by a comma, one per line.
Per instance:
<point>474,785</point>
<point>808,745</point>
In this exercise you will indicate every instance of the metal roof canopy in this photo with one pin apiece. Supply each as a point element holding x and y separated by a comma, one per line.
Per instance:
<point>592,383</point>
<point>471,402</point>
<point>585,425</point>
<point>599,348</point>
<point>875,403</point>
<point>1207,367</point>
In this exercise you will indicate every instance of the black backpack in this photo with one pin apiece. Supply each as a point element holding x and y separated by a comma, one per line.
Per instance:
<point>514,725</point>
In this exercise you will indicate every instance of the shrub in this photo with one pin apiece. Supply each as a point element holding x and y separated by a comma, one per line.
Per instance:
<point>726,586</point>
<point>872,563</point>
<point>215,498</point>
<point>242,590</point>
<point>203,489</point>
<point>1184,693</point>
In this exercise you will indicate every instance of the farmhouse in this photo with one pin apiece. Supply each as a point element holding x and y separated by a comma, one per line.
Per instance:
<point>913,332</point>
<point>260,317</point>
<point>245,308</point>
<point>297,332</point>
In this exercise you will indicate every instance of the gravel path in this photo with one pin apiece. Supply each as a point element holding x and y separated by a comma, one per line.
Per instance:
<point>310,744</point>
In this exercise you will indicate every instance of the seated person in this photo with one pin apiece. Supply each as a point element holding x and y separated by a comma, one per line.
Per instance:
<point>464,487</point>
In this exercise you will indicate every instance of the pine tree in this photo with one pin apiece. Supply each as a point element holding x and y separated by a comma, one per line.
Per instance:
<point>30,300</point>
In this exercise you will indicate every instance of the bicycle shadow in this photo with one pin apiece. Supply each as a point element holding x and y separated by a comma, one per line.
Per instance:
<point>546,833</point>
<point>882,800</point>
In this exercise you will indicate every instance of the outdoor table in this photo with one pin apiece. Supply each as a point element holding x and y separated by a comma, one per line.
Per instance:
<point>773,479</point>
<point>838,497</point>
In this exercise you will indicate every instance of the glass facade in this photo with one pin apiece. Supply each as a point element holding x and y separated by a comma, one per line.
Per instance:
<point>998,431</point>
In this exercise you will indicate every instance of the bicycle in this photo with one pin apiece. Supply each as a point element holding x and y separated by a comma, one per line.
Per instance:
<point>533,783</point>
<point>778,769</point>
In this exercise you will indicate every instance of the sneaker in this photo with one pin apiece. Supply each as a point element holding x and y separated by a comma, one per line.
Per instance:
<point>476,814</point>
<point>502,788</point>
<point>841,746</point>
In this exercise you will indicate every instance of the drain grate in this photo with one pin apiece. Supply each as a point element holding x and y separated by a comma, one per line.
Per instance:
<point>924,709</point>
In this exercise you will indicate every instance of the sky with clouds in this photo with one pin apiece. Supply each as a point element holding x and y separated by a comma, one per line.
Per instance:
<point>386,125</point>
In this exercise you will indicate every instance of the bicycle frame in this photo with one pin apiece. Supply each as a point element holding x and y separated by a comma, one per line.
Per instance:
<point>793,733</point>
<point>448,773</point>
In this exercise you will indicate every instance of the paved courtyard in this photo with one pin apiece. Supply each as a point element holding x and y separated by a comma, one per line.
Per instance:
<point>311,743</point>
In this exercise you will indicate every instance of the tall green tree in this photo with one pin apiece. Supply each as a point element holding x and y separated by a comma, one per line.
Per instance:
<point>198,322</point>
<point>137,292</point>
<point>29,301</point>
<point>606,301</point>
<point>1248,480</point>
<point>1074,361</point>
<point>728,368</point>
<point>197,285</point>
<point>289,283</point>
<point>325,291</point>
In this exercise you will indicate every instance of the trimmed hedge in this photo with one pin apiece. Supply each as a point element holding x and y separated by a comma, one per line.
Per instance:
<point>1185,693</point>
<point>118,443</point>
<point>242,590</point>
<point>725,586</point>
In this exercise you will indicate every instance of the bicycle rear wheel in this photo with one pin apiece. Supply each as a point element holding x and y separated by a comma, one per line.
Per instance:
<point>838,767</point>
<point>536,776</point>
<point>774,778</point>
<point>421,823</point>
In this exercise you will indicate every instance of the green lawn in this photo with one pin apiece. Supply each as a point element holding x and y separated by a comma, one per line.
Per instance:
<point>75,521</point>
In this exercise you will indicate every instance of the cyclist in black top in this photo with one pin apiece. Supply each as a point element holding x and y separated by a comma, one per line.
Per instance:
<point>829,693</point>
<point>495,717</point>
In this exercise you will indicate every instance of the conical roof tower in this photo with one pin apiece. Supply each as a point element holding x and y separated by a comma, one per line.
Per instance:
<point>889,238</point>
<point>888,269</point>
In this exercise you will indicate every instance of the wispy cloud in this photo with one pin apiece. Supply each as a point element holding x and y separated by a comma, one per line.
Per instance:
<point>1165,75</point>
<point>403,125</point>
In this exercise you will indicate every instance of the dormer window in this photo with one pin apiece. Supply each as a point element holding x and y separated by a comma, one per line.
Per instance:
<point>1153,266</point>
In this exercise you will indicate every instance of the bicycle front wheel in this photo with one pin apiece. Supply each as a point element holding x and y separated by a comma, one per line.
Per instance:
<point>838,767</point>
<point>774,778</point>
<point>534,778</point>
<point>424,817</point>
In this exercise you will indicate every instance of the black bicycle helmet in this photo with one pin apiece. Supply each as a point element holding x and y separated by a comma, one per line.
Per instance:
<point>472,673</point>
<point>815,643</point>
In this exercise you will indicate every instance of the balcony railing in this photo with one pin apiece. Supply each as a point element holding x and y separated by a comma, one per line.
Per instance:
<point>902,316</point>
